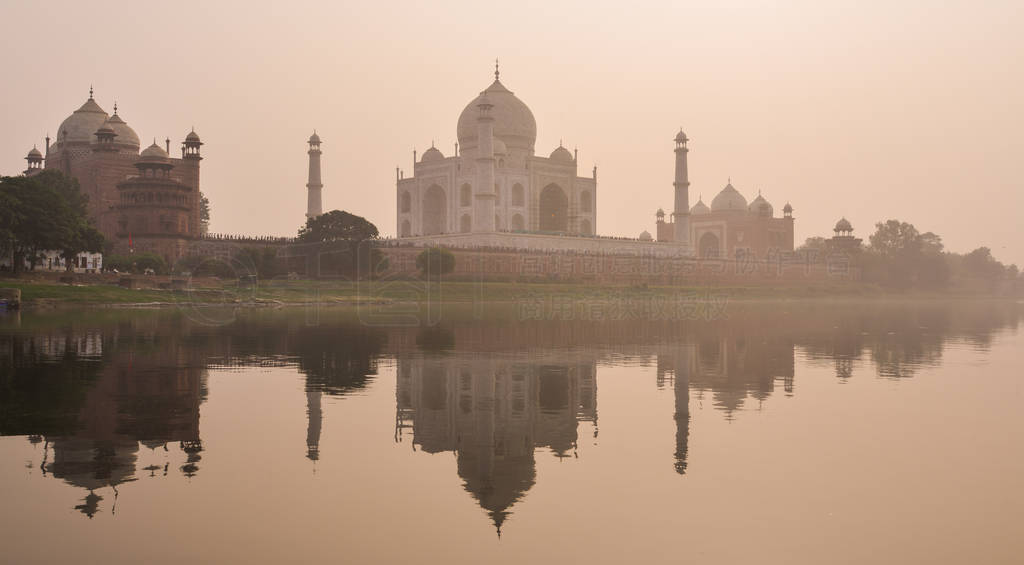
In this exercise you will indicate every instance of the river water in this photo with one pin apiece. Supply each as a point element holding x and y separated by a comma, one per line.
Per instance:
<point>787,432</point>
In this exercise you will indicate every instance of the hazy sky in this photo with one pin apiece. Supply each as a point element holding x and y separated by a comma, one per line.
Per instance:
<point>871,110</point>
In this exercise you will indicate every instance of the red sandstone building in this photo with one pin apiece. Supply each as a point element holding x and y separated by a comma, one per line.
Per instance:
<point>146,202</point>
<point>732,229</point>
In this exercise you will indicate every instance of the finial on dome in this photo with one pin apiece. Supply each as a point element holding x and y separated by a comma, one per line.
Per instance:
<point>115,106</point>
<point>90,92</point>
<point>496,71</point>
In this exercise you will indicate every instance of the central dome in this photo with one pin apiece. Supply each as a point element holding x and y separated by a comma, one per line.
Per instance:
<point>80,126</point>
<point>514,123</point>
<point>729,200</point>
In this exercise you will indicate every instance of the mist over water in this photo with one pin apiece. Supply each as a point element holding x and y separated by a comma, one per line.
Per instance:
<point>779,432</point>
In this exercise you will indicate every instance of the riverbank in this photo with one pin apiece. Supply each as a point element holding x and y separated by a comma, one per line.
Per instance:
<point>211,292</point>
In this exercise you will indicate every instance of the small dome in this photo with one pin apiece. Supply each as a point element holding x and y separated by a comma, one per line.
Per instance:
<point>193,137</point>
<point>843,225</point>
<point>125,134</point>
<point>432,154</point>
<point>681,137</point>
<point>34,153</point>
<point>561,154</point>
<point>80,126</point>
<point>154,154</point>
<point>700,208</point>
<point>729,200</point>
<point>513,121</point>
<point>646,236</point>
<point>787,208</point>
<point>312,139</point>
<point>761,207</point>
<point>660,213</point>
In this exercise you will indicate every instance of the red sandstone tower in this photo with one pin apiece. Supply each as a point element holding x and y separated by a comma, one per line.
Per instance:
<point>190,159</point>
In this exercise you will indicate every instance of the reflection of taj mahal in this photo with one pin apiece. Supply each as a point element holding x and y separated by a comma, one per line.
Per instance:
<point>493,414</point>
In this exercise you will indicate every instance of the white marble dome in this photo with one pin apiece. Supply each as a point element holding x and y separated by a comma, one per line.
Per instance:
<point>561,154</point>
<point>81,126</point>
<point>514,123</point>
<point>645,236</point>
<point>729,200</point>
<point>432,154</point>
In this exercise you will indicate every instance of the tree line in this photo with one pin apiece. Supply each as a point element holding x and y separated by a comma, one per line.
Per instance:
<point>899,256</point>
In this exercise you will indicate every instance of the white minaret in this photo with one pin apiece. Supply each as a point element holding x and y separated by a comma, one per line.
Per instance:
<point>484,196</point>
<point>681,211</point>
<point>314,202</point>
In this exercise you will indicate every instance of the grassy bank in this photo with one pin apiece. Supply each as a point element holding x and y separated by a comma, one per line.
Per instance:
<point>212,292</point>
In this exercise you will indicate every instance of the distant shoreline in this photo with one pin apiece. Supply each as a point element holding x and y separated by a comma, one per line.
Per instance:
<point>42,294</point>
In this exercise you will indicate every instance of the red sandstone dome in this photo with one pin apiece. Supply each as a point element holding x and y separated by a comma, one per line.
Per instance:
<point>153,154</point>
<point>729,199</point>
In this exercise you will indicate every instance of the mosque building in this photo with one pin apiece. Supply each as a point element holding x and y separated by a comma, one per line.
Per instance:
<point>731,228</point>
<point>141,202</point>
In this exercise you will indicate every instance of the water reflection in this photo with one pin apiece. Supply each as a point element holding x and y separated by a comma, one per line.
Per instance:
<point>101,392</point>
<point>493,413</point>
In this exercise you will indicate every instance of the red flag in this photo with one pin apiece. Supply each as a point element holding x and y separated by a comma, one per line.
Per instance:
<point>130,240</point>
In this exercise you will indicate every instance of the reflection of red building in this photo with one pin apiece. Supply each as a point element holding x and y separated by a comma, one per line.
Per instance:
<point>152,398</point>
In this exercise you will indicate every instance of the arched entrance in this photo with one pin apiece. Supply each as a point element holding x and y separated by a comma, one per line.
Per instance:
<point>554,209</point>
<point>517,222</point>
<point>709,246</point>
<point>585,228</point>
<point>435,211</point>
<point>406,229</point>
<point>465,223</point>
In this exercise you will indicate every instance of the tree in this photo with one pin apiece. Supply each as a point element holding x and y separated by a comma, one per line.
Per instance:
<point>43,212</point>
<point>435,261</point>
<point>894,237</point>
<point>902,257</point>
<point>337,225</point>
<point>262,262</point>
<point>816,242</point>
<point>346,245</point>
<point>204,213</point>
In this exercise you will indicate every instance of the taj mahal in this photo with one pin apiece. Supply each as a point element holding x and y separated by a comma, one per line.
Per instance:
<point>495,191</point>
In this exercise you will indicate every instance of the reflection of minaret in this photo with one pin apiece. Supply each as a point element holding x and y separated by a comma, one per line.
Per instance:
<point>680,364</point>
<point>683,360</point>
<point>315,421</point>
<point>314,203</point>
